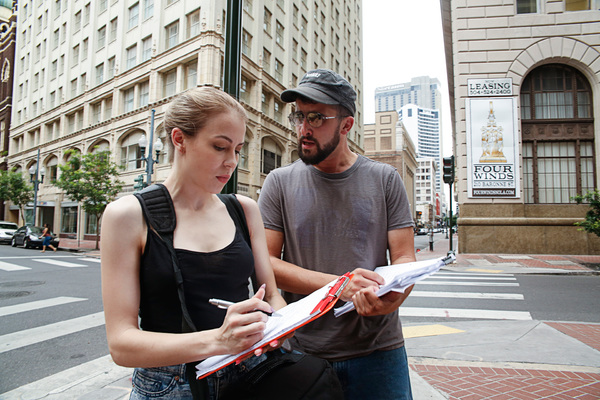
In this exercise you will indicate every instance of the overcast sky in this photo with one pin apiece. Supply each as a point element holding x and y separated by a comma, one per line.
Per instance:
<point>402,39</point>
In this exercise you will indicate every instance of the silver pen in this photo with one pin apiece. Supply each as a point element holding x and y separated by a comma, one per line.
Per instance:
<point>224,304</point>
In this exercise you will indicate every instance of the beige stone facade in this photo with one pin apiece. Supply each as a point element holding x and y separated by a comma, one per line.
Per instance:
<point>492,39</point>
<point>388,141</point>
<point>89,73</point>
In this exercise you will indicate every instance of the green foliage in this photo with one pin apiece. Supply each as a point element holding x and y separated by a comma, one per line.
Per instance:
<point>591,223</point>
<point>16,189</point>
<point>90,179</point>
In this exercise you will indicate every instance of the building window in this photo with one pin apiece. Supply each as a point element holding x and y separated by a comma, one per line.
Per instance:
<point>144,94</point>
<point>128,99</point>
<point>172,31</point>
<point>101,37</point>
<point>134,14</point>
<point>146,48</point>
<point>193,24</point>
<point>266,60</point>
<point>526,6</point>
<point>279,34</point>
<point>557,133</point>
<point>110,73</point>
<point>96,112</point>
<point>271,156</point>
<point>577,5</point>
<point>69,220</point>
<point>278,71</point>
<point>245,90</point>
<point>191,73</point>
<point>130,152</point>
<point>169,82</point>
<point>148,8</point>
<point>246,43</point>
<point>267,21</point>
<point>131,56</point>
<point>113,29</point>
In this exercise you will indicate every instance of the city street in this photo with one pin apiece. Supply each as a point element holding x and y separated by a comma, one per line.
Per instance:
<point>51,322</point>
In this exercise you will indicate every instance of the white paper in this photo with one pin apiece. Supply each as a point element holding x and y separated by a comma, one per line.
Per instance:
<point>398,277</point>
<point>291,316</point>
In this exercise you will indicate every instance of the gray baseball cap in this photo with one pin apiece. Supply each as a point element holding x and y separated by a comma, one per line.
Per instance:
<point>323,86</point>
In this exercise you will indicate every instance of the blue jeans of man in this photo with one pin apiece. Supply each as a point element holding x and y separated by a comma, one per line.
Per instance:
<point>379,375</point>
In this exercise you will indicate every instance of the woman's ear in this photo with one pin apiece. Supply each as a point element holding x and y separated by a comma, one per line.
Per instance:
<point>178,138</point>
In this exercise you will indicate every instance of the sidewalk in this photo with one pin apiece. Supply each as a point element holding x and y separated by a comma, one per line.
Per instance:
<point>504,360</point>
<point>481,359</point>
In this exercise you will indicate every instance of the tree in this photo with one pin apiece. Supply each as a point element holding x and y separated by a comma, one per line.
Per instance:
<point>14,187</point>
<point>90,179</point>
<point>591,223</point>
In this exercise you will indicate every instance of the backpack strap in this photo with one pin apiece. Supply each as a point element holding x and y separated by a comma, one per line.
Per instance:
<point>159,213</point>
<point>235,207</point>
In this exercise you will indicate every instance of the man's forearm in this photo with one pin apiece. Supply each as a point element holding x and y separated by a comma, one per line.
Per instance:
<point>295,279</point>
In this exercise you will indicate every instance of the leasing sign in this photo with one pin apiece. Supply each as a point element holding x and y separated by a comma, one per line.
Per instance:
<point>492,147</point>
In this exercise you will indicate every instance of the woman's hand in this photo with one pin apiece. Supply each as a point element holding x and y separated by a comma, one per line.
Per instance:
<point>244,325</point>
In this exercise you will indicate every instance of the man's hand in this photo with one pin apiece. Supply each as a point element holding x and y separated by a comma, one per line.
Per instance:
<point>363,279</point>
<point>368,304</point>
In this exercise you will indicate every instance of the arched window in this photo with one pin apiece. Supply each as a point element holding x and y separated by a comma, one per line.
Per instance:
<point>130,151</point>
<point>5,71</point>
<point>271,156</point>
<point>558,135</point>
<point>52,169</point>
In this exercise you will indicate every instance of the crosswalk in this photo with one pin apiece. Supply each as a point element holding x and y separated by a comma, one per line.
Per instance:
<point>62,261</point>
<point>444,296</point>
<point>449,294</point>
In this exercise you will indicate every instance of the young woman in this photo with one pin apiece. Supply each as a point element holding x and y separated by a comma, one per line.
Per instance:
<point>206,129</point>
<point>47,238</point>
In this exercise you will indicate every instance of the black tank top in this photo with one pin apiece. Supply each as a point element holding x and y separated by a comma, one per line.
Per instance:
<point>220,274</point>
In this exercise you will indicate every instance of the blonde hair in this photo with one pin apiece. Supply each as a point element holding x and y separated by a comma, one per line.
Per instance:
<point>191,110</point>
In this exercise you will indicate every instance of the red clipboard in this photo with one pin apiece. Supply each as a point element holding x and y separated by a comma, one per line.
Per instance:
<point>323,306</point>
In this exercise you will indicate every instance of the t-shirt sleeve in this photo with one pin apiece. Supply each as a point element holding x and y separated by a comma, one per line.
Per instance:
<point>270,203</point>
<point>398,206</point>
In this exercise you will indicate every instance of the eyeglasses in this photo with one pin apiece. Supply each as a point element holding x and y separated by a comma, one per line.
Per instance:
<point>314,119</point>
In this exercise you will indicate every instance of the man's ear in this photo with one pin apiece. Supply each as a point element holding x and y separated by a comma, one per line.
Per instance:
<point>178,138</point>
<point>347,125</point>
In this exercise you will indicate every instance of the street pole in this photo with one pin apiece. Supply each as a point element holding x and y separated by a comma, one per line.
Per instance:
<point>233,65</point>
<point>35,188</point>
<point>150,159</point>
<point>450,221</point>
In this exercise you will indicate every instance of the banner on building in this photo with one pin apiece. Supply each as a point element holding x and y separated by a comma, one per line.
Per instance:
<point>492,147</point>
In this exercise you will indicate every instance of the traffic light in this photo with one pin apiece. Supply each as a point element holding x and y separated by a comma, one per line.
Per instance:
<point>449,169</point>
<point>139,183</point>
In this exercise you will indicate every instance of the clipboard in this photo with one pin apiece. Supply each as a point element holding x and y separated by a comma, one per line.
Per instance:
<point>293,316</point>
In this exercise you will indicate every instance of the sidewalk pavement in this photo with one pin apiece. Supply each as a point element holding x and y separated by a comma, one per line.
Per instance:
<point>481,359</point>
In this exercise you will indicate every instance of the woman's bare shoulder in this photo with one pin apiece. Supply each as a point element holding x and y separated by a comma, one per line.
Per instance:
<point>127,210</point>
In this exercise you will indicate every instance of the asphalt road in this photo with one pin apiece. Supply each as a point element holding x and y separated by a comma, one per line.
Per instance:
<point>51,309</point>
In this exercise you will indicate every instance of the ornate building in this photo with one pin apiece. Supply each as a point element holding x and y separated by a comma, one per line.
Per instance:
<point>524,80</point>
<point>90,72</point>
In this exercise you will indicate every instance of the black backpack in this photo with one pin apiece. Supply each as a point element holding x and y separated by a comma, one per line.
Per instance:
<point>283,375</point>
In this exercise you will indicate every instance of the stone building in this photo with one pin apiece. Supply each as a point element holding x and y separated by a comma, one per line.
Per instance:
<point>89,73</point>
<point>524,81</point>
<point>388,141</point>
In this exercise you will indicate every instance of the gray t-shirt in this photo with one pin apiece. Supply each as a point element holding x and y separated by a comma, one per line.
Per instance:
<point>335,223</point>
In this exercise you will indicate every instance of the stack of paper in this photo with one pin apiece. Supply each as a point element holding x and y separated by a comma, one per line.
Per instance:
<point>398,277</point>
<point>291,317</point>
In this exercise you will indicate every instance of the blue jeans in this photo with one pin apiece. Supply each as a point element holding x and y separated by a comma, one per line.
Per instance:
<point>379,375</point>
<point>171,382</point>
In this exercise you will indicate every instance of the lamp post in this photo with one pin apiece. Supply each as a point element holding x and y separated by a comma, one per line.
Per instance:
<point>158,146</point>
<point>34,175</point>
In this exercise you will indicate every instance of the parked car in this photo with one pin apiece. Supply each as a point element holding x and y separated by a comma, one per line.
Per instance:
<point>29,237</point>
<point>422,231</point>
<point>7,230</point>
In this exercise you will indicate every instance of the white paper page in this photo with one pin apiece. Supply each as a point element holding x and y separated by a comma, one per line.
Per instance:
<point>398,277</point>
<point>291,316</point>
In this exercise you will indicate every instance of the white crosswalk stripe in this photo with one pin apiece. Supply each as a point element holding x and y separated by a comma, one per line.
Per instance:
<point>481,304</point>
<point>31,336</point>
<point>36,305</point>
<point>11,267</point>
<point>59,262</point>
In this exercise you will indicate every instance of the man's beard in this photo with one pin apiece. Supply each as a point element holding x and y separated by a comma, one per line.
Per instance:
<point>321,153</point>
